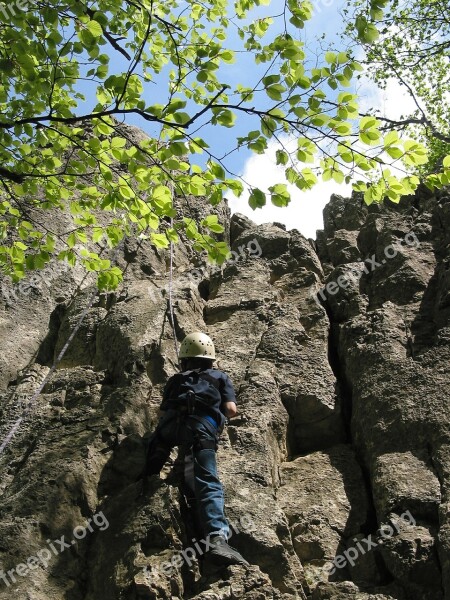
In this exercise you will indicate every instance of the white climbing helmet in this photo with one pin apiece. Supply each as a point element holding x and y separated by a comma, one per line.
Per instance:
<point>197,345</point>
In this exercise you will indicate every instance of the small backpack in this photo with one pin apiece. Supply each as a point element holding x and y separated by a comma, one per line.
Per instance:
<point>187,380</point>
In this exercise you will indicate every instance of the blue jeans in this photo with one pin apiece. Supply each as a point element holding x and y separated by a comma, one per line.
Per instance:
<point>188,433</point>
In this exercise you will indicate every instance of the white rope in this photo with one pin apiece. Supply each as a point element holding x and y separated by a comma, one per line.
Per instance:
<point>36,394</point>
<point>172,318</point>
<point>12,432</point>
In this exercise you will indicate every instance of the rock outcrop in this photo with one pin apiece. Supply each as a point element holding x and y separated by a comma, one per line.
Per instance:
<point>337,468</point>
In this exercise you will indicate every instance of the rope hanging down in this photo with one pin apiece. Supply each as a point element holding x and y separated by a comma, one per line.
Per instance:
<point>172,318</point>
<point>12,432</point>
<point>33,399</point>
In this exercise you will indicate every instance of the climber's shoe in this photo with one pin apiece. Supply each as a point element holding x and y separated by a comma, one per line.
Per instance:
<point>221,553</point>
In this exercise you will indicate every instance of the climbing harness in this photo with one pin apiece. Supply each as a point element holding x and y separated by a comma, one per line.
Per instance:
<point>184,413</point>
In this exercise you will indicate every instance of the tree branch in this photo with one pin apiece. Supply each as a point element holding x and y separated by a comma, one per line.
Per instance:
<point>88,117</point>
<point>109,37</point>
<point>207,107</point>
<point>7,174</point>
<point>115,45</point>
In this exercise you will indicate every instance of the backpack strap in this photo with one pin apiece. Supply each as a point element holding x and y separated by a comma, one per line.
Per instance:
<point>182,377</point>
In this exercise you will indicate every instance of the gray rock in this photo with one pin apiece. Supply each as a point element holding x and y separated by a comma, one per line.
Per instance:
<point>343,420</point>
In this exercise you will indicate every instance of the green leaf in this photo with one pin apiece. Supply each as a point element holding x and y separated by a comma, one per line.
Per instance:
<point>95,28</point>
<point>228,56</point>
<point>235,186</point>
<point>97,234</point>
<point>282,157</point>
<point>210,220</point>
<point>211,223</point>
<point>162,193</point>
<point>175,104</point>
<point>118,142</point>
<point>196,186</point>
<point>191,228</point>
<point>394,152</point>
<point>126,192</point>
<point>320,120</point>
<point>217,228</point>
<point>217,171</point>
<point>270,80</point>
<point>279,194</point>
<point>202,76</point>
<point>110,279</point>
<point>390,138</point>
<point>275,91</point>
<point>368,123</point>
<point>338,176</point>
<point>159,240</point>
<point>71,240</point>
<point>257,199</point>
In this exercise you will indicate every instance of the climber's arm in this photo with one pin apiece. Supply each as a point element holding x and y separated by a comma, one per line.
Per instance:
<point>228,406</point>
<point>167,394</point>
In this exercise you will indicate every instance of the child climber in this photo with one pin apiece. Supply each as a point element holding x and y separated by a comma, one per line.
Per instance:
<point>194,408</point>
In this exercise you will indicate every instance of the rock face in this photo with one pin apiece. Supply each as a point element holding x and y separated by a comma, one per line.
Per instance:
<point>337,468</point>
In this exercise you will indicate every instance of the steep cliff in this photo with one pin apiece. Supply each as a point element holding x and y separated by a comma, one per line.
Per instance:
<point>336,470</point>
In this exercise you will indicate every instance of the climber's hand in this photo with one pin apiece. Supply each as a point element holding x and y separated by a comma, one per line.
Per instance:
<point>229,409</point>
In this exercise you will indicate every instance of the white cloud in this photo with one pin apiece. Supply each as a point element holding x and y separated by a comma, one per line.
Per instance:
<point>304,212</point>
<point>305,209</point>
<point>392,102</point>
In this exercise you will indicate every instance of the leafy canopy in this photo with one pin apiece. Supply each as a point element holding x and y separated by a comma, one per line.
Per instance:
<point>71,71</point>
<point>409,43</point>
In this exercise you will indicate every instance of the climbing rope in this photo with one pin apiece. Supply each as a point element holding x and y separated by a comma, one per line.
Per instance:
<point>12,432</point>
<point>171,312</point>
<point>25,412</point>
<point>32,402</point>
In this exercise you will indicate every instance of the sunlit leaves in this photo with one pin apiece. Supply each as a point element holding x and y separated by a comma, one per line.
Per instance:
<point>257,198</point>
<point>412,49</point>
<point>109,279</point>
<point>160,240</point>
<point>211,223</point>
<point>437,180</point>
<point>94,28</point>
<point>279,195</point>
<point>367,31</point>
<point>369,132</point>
<point>415,153</point>
<point>282,157</point>
<point>168,64</point>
